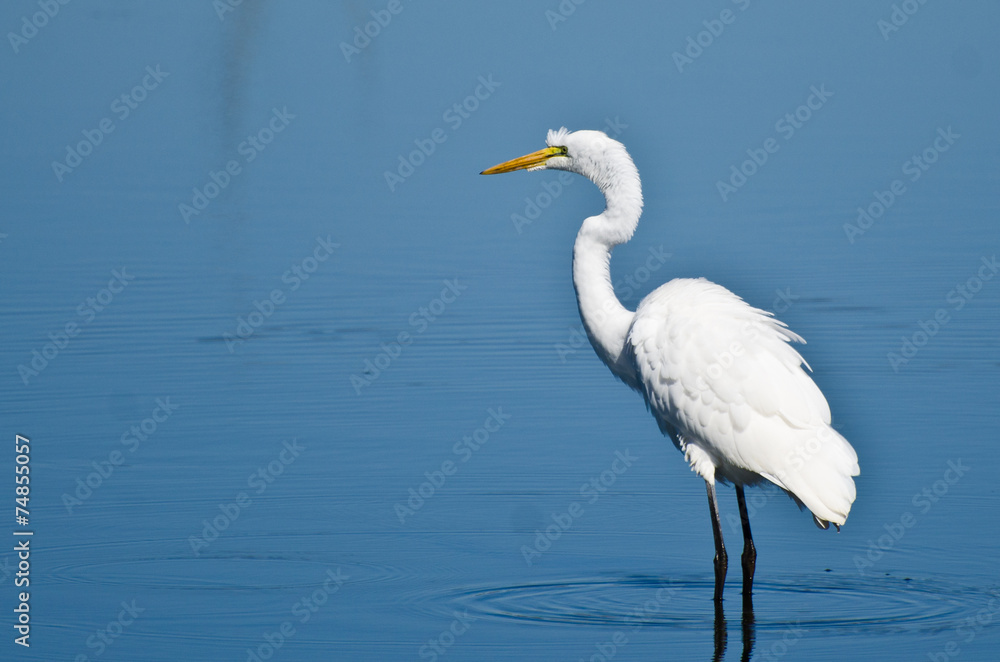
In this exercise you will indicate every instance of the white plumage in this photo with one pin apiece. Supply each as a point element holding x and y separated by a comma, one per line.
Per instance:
<point>720,376</point>
<point>722,379</point>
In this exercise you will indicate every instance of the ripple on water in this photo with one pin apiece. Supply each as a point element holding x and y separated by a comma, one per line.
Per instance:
<point>813,602</point>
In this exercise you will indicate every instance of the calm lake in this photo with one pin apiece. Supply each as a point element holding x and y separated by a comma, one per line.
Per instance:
<point>299,384</point>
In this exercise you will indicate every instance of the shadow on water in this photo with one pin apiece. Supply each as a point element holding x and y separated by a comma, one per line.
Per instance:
<point>748,630</point>
<point>787,609</point>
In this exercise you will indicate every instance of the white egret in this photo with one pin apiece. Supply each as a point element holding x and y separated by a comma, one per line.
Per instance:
<point>719,375</point>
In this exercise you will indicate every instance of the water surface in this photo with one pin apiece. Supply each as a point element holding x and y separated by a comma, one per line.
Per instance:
<point>266,508</point>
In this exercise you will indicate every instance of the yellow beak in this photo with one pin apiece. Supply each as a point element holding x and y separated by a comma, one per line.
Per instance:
<point>533,160</point>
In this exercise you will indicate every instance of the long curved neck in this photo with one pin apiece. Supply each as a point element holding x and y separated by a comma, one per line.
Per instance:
<point>604,317</point>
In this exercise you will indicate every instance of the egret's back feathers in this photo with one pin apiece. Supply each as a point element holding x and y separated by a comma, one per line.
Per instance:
<point>722,376</point>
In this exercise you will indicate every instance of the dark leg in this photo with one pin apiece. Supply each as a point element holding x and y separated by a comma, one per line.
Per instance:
<point>749,552</point>
<point>749,565</point>
<point>721,562</point>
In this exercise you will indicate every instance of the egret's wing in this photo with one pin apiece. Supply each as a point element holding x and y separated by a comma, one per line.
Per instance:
<point>724,376</point>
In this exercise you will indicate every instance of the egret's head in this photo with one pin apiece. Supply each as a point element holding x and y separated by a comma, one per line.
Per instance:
<point>582,152</point>
<point>603,161</point>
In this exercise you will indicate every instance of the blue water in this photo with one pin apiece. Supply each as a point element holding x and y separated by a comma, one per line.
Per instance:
<point>261,505</point>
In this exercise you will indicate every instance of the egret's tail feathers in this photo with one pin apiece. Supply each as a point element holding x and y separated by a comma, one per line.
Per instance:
<point>819,472</point>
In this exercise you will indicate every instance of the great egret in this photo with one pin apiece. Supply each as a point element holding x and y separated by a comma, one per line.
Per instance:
<point>719,375</point>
